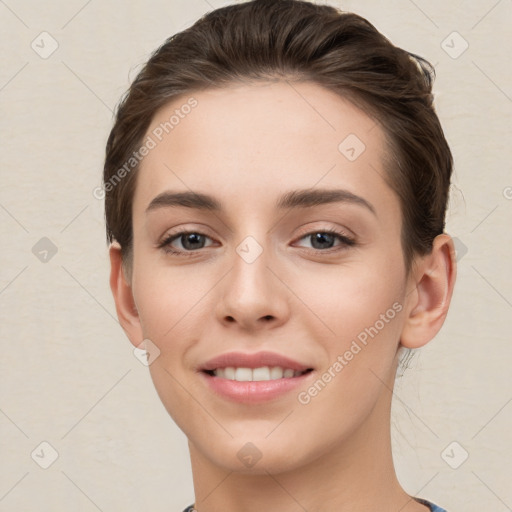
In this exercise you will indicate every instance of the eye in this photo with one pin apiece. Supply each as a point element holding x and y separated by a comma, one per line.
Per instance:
<point>189,241</point>
<point>325,239</point>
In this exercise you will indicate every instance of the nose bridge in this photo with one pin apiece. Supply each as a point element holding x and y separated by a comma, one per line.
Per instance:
<point>251,261</point>
<point>252,295</point>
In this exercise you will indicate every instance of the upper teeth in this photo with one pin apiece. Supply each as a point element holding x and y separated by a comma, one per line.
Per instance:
<point>255,374</point>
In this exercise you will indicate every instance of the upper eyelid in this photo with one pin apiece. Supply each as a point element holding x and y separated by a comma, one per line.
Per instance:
<point>203,230</point>
<point>174,236</point>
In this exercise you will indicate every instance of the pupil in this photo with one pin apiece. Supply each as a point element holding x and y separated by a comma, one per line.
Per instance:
<point>193,238</point>
<point>323,238</point>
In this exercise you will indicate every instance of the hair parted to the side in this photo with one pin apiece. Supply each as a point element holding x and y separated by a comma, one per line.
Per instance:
<point>296,40</point>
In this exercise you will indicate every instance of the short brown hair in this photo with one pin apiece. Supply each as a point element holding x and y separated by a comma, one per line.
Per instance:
<point>297,41</point>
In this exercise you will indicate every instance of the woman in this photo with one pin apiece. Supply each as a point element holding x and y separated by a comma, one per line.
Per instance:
<point>276,184</point>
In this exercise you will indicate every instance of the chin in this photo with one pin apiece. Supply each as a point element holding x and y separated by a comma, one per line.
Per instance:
<point>256,454</point>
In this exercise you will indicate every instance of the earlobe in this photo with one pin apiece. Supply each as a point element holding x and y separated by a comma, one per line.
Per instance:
<point>429,302</point>
<point>123,297</point>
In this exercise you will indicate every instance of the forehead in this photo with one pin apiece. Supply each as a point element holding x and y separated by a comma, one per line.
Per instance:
<point>246,144</point>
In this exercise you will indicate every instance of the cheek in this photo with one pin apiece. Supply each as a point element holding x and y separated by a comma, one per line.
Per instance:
<point>351,299</point>
<point>170,302</point>
<point>362,306</point>
<point>166,297</point>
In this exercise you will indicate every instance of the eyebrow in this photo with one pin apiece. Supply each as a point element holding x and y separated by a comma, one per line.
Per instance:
<point>306,198</point>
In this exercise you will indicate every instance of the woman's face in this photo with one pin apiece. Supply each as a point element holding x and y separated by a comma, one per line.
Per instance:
<point>259,273</point>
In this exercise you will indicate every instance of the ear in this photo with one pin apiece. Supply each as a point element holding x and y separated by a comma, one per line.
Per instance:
<point>428,303</point>
<point>123,297</point>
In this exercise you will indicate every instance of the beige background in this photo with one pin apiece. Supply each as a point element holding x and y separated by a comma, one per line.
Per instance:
<point>68,375</point>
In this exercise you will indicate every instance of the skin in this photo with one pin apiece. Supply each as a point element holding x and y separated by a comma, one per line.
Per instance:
<point>247,145</point>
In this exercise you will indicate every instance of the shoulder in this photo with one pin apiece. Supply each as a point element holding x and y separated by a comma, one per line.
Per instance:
<point>433,508</point>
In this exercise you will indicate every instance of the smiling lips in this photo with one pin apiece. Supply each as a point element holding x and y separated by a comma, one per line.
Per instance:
<point>253,377</point>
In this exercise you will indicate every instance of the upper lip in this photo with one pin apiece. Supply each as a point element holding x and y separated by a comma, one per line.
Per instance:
<point>255,360</point>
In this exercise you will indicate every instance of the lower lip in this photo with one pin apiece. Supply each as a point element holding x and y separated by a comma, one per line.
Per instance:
<point>254,391</point>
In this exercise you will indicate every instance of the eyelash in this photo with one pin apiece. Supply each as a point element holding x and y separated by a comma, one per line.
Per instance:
<point>165,245</point>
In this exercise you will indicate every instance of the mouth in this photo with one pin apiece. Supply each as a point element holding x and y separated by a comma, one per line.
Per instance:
<point>254,378</point>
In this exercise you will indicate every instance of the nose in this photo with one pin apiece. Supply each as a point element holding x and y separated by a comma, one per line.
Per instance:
<point>252,296</point>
